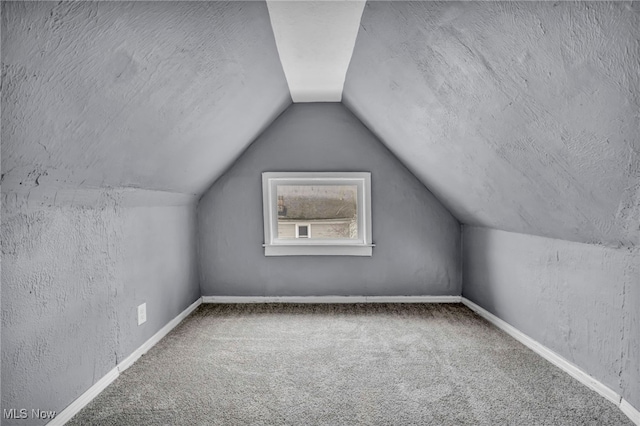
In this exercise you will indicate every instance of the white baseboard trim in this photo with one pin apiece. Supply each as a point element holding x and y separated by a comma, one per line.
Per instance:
<point>414,299</point>
<point>557,360</point>
<point>128,361</point>
<point>606,392</point>
<point>77,405</point>
<point>84,399</point>
<point>331,299</point>
<point>630,411</point>
<point>546,353</point>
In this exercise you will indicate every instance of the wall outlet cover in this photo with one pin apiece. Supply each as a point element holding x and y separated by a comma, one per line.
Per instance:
<point>142,314</point>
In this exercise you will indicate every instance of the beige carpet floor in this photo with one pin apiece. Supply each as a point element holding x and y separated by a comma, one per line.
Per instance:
<point>344,364</point>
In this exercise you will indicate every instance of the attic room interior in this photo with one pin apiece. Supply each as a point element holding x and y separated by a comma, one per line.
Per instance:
<point>320,212</point>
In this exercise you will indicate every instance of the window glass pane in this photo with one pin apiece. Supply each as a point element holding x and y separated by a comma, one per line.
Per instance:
<point>329,211</point>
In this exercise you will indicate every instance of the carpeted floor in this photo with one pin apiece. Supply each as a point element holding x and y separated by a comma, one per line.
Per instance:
<point>344,364</point>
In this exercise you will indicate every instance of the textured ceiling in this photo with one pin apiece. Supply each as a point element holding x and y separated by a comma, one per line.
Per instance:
<point>521,116</point>
<point>157,95</point>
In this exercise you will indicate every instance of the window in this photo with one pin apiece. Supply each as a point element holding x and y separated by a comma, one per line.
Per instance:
<point>302,230</point>
<point>317,213</point>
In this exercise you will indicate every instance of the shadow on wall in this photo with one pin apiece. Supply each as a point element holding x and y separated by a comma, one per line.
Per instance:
<point>479,270</point>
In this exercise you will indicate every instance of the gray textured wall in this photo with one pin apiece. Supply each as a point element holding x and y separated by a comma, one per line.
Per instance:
<point>418,241</point>
<point>581,301</point>
<point>520,116</point>
<point>73,274</point>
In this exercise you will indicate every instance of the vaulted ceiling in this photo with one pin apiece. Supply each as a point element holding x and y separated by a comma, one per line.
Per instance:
<point>154,95</point>
<point>521,116</point>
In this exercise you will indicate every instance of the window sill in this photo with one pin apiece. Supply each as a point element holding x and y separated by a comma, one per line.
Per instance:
<point>319,250</point>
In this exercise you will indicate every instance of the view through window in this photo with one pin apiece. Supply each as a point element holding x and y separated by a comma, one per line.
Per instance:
<point>317,211</point>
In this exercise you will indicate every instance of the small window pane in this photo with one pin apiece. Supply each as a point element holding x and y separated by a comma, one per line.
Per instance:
<point>327,211</point>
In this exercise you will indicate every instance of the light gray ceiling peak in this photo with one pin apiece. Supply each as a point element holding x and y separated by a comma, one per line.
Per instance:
<point>520,116</point>
<point>315,41</point>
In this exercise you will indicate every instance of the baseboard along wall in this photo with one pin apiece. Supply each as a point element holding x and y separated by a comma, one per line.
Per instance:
<point>560,362</point>
<point>532,344</point>
<point>84,399</point>
<point>331,299</point>
<point>630,411</point>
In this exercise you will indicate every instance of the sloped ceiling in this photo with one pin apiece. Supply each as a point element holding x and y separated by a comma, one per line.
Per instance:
<point>520,116</point>
<point>156,95</point>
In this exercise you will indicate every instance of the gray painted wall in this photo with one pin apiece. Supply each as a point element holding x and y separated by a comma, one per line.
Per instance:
<point>581,301</point>
<point>521,116</point>
<point>418,241</point>
<point>73,274</point>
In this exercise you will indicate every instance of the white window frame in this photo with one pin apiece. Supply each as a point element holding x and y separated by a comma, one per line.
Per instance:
<point>273,246</point>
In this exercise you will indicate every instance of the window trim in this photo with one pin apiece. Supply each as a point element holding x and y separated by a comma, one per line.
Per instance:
<point>362,246</point>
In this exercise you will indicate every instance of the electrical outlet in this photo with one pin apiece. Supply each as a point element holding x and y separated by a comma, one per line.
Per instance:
<point>142,314</point>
